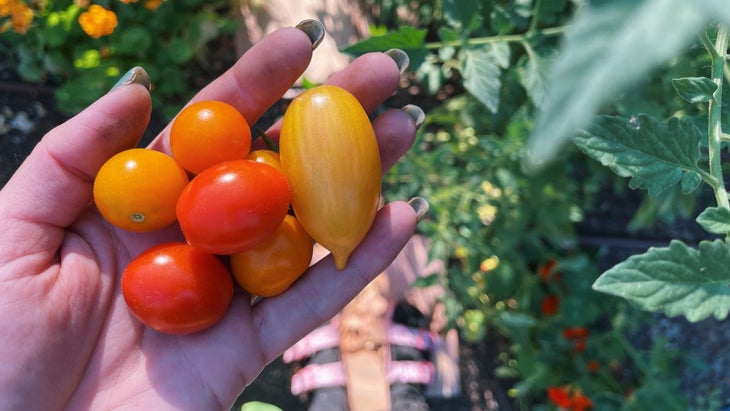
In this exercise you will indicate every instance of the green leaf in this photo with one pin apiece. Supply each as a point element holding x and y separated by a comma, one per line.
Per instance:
<point>677,280</point>
<point>715,220</point>
<point>480,69</point>
<point>465,16</point>
<point>695,89</point>
<point>179,51</point>
<point>533,77</point>
<point>134,40</point>
<point>655,154</point>
<point>608,47</point>
<point>408,39</point>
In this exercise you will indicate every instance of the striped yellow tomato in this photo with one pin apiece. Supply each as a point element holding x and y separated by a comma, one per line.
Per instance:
<point>330,156</point>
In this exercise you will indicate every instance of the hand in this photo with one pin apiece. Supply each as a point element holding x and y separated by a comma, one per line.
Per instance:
<point>67,339</point>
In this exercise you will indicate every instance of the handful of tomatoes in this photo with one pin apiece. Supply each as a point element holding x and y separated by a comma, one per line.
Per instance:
<point>252,216</point>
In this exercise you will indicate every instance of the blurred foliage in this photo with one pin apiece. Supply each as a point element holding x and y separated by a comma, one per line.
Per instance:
<point>503,216</point>
<point>168,38</point>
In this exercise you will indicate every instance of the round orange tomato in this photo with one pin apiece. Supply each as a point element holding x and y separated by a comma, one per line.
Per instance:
<point>269,157</point>
<point>233,206</point>
<point>209,132</point>
<point>177,289</point>
<point>137,189</point>
<point>272,266</point>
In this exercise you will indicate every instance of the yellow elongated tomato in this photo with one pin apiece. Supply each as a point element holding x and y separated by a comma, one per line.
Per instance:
<point>329,153</point>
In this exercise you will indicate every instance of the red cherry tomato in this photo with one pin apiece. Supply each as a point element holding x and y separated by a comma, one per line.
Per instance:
<point>233,206</point>
<point>177,289</point>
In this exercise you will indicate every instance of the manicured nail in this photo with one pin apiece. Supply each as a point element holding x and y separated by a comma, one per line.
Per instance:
<point>416,114</point>
<point>134,75</point>
<point>420,205</point>
<point>314,30</point>
<point>400,57</point>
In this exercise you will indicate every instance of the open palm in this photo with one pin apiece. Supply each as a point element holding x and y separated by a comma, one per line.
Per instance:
<point>67,339</point>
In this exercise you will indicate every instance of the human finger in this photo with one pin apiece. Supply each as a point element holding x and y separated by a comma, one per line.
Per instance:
<point>54,184</point>
<point>263,74</point>
<point>371,78</point>
<point>323,290</point>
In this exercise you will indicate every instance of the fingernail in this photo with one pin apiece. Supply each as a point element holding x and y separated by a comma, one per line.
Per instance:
<point>416,114</point>
<point>134,75</point>
<point>420,206</point>
<point>314,30</point>
<point>400,57</point>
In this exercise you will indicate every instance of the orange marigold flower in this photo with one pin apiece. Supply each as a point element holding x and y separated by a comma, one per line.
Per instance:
<point>580,402</point>
<point>128,1</point>
<point>20,15</point>
<point>559,396</point>
<point>98,21</point>
<point>153,4</point>
<point>549,305</point>
<point>575,333</point>
<point>569,398</point>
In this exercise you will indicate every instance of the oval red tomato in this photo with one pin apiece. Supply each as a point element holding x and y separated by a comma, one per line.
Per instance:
<point>177,289</point>
<point>233,206</point>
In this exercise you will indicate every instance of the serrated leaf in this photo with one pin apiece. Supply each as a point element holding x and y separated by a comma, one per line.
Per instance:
<point>677,280</point>
<point>655,154</point>
<point>695,89</point>
<point>465,16</point>
<point>533,76</point>
<point>408,39</point>
<point>715,220</point>
<point>481,73</point>
<point>608,47</point>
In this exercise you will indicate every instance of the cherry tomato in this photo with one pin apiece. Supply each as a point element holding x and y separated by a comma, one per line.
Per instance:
<point>272,266</point>
<point>233,206</point>
<point>177,289</point>
<point>330,156</point>
<point>207,133</point>
<point>269,157</point>
<point>137,189</point>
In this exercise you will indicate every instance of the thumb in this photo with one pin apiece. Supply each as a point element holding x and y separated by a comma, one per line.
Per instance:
<point>54,184</point>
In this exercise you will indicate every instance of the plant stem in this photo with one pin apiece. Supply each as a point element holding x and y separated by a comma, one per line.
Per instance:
<point>507,38</point>
<point>718,52</point>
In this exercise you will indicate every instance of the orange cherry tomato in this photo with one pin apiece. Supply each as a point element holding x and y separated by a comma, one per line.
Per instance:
<point>330,156</point>
<point>271,267</point>
<point>138,189</point>
<point>269,157</point>
<point>177,289</point>
<point>209,132</point>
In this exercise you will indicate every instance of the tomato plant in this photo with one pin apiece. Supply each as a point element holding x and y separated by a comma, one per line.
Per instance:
<point>209,132</point>
<point>233,206</point>
<point>329,153</point>
<point>177,289</point>
<point>272,266</point>
<point>137,189</point>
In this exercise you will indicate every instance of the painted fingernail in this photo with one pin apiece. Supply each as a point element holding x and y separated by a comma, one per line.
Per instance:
<point>416,114</point>
<point>420,205</point>
<point>314,30</point>
<point>400,57</point>
<point>134,75</point>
